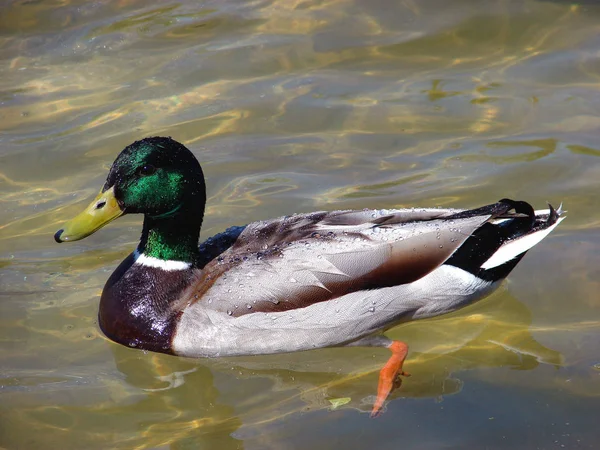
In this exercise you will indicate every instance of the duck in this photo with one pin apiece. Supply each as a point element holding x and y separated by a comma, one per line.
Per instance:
<point>293,283</point>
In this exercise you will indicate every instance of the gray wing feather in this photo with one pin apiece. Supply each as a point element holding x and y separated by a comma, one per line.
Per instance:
<point>326,255</point>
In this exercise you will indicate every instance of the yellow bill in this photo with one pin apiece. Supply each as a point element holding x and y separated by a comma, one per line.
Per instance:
<point>103,209</point>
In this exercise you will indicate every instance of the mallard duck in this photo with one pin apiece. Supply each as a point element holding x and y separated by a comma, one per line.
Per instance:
<point>298,282</point>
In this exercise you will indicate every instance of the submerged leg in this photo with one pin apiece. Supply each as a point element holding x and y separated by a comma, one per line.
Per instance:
<point>389,375</point>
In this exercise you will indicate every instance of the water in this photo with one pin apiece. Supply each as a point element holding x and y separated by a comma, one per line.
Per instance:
<point>296,106</point>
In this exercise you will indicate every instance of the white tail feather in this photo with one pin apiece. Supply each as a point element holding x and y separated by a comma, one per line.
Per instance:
<point>514,248</point>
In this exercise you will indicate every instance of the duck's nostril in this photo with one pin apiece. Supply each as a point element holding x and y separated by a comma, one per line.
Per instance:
<point>100,204</point>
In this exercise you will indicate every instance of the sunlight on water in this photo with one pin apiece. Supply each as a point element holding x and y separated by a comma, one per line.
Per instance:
<point>295,106</point>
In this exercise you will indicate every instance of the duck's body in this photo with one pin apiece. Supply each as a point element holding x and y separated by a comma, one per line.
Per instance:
<point>294,283</point>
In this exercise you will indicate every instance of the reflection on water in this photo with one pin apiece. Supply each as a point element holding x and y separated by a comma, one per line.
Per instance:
<point>300,106</point>
<point>177,400</point>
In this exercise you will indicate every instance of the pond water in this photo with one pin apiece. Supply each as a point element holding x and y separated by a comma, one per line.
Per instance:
<point>295,106</point>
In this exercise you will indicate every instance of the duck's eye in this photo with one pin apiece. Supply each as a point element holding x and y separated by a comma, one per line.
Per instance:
<point>146,170</point>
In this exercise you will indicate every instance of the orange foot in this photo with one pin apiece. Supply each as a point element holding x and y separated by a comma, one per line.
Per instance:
<point>389,376</point>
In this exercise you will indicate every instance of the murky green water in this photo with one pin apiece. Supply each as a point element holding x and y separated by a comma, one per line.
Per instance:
<point>297,106</point>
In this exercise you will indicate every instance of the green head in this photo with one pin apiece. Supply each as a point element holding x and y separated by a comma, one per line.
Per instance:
<point>157,177</point>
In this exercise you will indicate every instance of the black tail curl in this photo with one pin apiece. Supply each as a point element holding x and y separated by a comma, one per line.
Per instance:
<point>486,240</point>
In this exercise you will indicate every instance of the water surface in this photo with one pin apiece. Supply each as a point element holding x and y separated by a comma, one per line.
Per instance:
<point>295,106</point>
